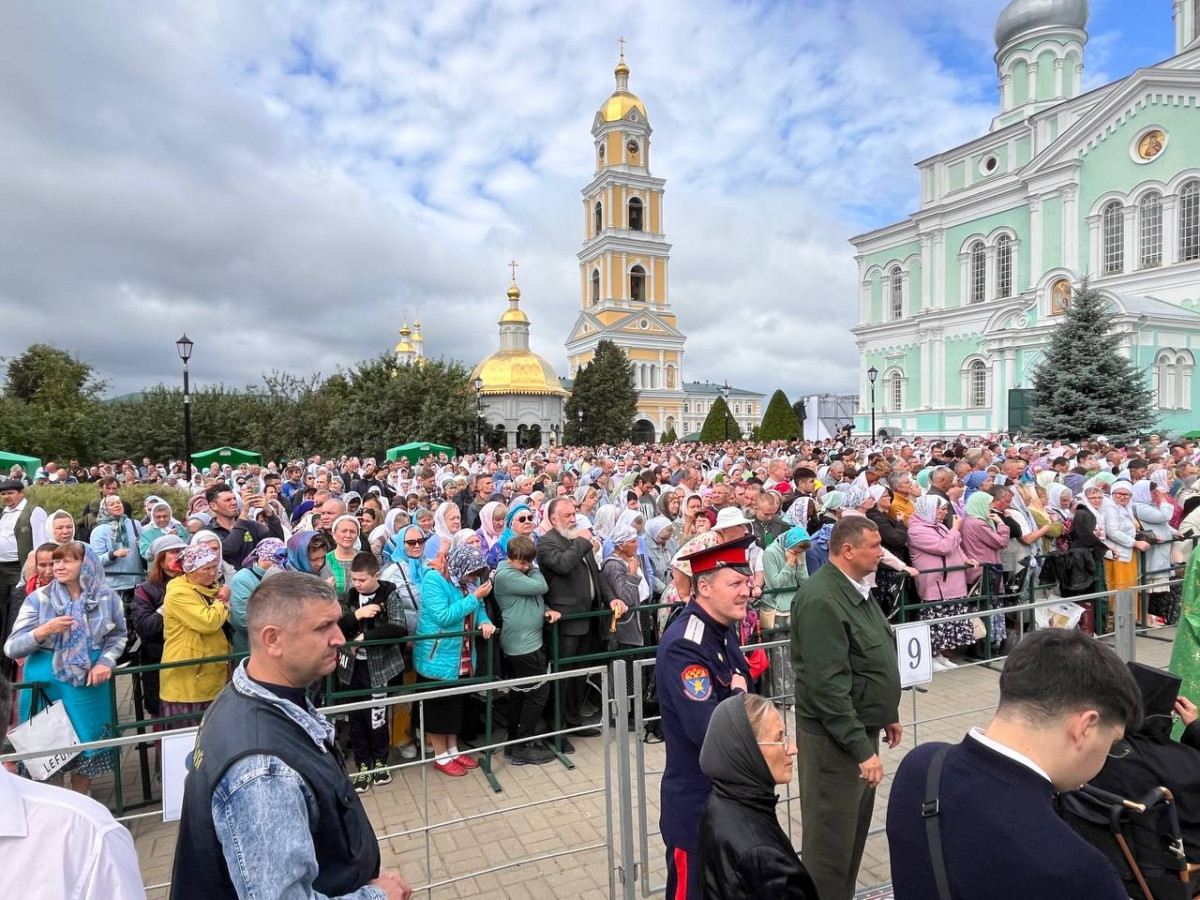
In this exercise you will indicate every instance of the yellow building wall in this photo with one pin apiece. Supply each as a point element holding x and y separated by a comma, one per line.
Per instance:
<point>642,353</point>
<point>660,281</point>
<point>612,152</point>
<point>609,316</point>
<point>655,209</point>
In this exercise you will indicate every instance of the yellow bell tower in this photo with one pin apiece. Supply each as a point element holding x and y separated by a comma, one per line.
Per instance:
<point>623,264</point>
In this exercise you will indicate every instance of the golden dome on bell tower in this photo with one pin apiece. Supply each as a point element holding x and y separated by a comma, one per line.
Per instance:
<point>622,100</point>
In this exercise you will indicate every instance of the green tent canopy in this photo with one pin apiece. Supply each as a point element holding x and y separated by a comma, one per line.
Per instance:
<point>29,463</point>
<point>225,456</point>
<point>417,449</point>
<point>1190,435</point>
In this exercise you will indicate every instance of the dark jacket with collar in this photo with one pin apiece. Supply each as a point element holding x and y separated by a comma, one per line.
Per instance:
<point>1002,837</point>
<point>574,582</point>
<point>844,655</point>
<point>745,854</point>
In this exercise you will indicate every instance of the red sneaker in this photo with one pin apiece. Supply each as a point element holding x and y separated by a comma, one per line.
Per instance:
<point>451,768</point>
<point>466,762</point>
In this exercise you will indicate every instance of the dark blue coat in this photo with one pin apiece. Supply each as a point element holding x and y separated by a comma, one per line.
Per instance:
<point>1001,836</point>
<point>696,660</point>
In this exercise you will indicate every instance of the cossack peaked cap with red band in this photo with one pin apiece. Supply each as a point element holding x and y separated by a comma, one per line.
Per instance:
<point>729,555</point>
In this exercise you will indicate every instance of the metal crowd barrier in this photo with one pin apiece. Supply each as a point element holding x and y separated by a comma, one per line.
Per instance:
<point>428,827</point>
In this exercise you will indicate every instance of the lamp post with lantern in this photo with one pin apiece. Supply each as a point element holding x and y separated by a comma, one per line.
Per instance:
<point>872,374</point>
<point>184,346</point>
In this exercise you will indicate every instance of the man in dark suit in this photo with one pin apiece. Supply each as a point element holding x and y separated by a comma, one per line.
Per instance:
<point>574,585</point>
<point>1065,699</point>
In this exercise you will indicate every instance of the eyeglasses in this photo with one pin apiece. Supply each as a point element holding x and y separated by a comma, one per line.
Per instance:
<point>416,543</point>
<point>787,742</point>
<point>523,519</point>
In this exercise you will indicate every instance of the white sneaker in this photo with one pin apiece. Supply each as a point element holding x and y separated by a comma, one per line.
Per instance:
<point>408,751</point>
<point>947,665</point>
<point>936,663</point>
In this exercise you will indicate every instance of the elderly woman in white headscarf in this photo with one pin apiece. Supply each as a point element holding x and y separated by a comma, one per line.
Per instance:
<point>934,548</point>
<point>446,522</point>
<point>858,501</point>
<point>226,571</point>
<point>383,538</point>
<point>1154,513</point>
<point>162,522</point>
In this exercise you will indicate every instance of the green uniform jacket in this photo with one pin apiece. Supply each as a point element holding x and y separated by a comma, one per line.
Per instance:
<point>844,654</point>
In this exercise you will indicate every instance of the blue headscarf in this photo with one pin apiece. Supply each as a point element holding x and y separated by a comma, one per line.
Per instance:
<point>973,481</point>
<point>794,536</point>
<point>72,658</point>
<point>508,533</point>
<point>415,567</point>
<point>297,551</point>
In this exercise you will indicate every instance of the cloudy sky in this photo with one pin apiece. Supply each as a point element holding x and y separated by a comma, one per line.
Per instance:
<point>283,180</point>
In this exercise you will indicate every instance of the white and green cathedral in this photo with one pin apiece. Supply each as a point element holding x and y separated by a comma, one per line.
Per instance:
<point>958,300</point>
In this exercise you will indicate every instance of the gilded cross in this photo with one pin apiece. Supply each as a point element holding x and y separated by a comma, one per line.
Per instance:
<point>513,265</point>
<point>621,41</point>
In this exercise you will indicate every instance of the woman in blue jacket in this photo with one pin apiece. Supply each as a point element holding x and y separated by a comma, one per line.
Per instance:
<point>451,603</point>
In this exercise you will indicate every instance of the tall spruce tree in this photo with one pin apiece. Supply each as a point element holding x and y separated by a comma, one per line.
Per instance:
<point>604,391</point>
<point>779,422</point>
<point>1084,386</point>
<point>719,424</point>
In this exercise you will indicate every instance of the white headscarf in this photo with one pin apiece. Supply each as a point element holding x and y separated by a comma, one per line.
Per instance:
<point>927,506</point>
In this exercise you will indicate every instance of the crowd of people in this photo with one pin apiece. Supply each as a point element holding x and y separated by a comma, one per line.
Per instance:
<point>554,554</point>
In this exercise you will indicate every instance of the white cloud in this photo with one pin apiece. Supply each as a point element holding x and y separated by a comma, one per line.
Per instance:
<point>281,180</point>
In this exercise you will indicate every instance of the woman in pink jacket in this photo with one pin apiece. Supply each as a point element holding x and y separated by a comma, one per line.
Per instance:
<point>984,535</point>
<point>934,546</point>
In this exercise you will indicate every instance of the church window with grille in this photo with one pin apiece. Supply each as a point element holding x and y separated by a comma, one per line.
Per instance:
<point>978,272</point>
<point>895,392</point>
<point>637,284</point>
<point>1189,222</point>
<point>595,285</point>
<point>1151,224</point>
<point>1113,238</point>
<point>897,293</point>
<point>1004,266</point>
<point>598,217</point>
<point>977,385</point>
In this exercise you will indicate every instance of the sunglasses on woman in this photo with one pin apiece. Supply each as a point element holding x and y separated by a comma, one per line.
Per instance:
<point>417,543</point>
<point>523,519</point>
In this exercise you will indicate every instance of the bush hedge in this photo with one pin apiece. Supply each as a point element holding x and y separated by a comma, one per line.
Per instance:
<point>74,498</point>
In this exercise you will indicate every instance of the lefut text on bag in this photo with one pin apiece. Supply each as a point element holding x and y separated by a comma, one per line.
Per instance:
<point>48,729</point>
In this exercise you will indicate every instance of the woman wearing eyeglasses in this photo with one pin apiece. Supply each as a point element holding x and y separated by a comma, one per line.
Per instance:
<point>406,571</point>
<point>520,520</point>
<point>743,850</point>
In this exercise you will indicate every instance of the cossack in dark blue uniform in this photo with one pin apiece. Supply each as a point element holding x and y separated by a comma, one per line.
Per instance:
<point>695,664</point>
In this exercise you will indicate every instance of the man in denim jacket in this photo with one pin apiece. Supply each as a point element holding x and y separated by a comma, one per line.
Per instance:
<point>268,809</point>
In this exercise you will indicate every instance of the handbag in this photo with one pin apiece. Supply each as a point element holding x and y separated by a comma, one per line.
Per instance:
<point>50,728</point>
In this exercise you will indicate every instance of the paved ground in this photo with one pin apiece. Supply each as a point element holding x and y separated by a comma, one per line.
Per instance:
<point>564,820</point>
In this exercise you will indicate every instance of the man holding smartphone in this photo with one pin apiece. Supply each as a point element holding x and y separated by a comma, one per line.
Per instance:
<point>239,533</point>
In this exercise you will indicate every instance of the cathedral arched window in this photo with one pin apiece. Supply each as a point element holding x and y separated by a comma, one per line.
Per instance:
<point>635,214</point>
<point>1173,379</point>
<point>895,392</point>
<point>1004,266</point>
<point>1189,222</point>
<point>598,217</point>
<point>978,272</point>
<point>896,292</point>
<point>977,385</point>
<point>595,285</point>
<point>637,284</point>
<point>1150,231</point>
<point>1113,238</point>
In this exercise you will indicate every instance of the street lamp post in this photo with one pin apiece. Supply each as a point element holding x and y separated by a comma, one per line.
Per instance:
<point>725,397</point>
<point>872,374</point>
<point>478,413</point>
<point>184,346</point>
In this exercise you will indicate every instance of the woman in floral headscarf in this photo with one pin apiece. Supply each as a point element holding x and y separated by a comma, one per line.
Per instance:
<point>195,612</point>
<point>115,540</point>
<point>71,633</point>
<point>451,603</point>
<point>269,554</point>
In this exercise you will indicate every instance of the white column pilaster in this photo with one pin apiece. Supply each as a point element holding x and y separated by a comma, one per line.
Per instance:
<point>1037,241</point>
<point>1129,221</point>
<point>1070,225</point>
<point>1170,235</point>
<point>926,271</point>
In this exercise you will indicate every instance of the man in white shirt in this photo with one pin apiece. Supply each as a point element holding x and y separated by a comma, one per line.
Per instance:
<point>57,843</point>
<point>22,526</point>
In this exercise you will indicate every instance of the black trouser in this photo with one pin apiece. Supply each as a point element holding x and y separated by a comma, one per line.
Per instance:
<point>10,607</point>
<point>368,727</point>
<point>574,690</point>
<point>525,704</point>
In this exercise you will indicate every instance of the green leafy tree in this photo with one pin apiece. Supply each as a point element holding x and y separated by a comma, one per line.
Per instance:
<point>720,424</point>
<point>604,391</point>
<point>779,422</point>
<point>668,437</point>
<point>56,398</point>
<point>1084,386</point>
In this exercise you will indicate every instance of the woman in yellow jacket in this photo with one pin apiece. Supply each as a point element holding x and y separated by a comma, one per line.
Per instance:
<point>195,610</point>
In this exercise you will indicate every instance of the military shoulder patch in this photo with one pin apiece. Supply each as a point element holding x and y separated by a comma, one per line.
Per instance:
<point>696,683</point>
